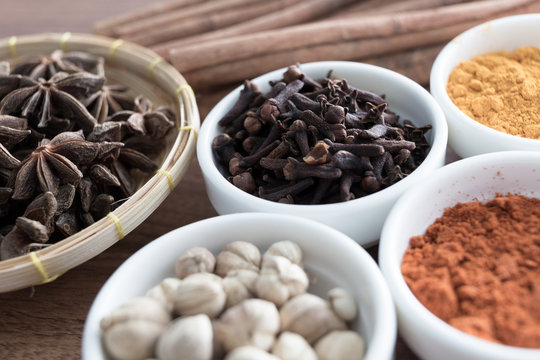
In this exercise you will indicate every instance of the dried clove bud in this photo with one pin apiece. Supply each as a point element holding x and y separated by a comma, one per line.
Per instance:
<point>340,131</point>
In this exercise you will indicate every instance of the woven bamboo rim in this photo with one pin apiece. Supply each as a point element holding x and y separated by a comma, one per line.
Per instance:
<point>142,67</point>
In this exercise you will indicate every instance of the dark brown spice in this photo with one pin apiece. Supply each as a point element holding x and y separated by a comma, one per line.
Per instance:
<point>314,141</point>
<point>70,145</point>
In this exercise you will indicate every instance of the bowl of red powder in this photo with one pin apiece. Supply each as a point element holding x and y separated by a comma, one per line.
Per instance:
<point>487,81</point>
<point>461,256</point>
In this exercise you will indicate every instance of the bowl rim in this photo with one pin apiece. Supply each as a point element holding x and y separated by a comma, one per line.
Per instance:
<point>206,158</point>
<point>385,330</point>
<point>438,83</point>
<point>390,262</point>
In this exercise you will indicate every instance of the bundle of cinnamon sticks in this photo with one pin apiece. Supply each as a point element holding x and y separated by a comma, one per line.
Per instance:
<point>220,42</point>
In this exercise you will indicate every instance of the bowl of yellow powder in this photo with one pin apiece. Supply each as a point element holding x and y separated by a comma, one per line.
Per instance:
<point>487,81</point>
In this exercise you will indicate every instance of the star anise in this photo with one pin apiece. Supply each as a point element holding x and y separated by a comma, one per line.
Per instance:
<point>12,131</point>
<point>72,62</point>
<point>145,120</point>
<point>31,230</point>
<point>50,189</point>
<point>55,162</point>
<point>107,101</point>
<point>40,100</point>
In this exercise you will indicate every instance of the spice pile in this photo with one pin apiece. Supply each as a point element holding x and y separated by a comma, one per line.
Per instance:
<point>220,42</point>
<point>71,146</point>
<point>500,90</point>
<point>312,141</point>
<point>477,268</point>
<point>237,306</point>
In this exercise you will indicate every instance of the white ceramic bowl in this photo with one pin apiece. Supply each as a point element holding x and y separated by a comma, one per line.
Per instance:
<point>466,136</point>
<point>329,256</point>
<point>361,219</point>
<point>479,177</point>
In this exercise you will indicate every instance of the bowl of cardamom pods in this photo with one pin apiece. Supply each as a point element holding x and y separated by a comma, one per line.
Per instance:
<point>333,141</point>
<point>244,286</point>
<point>94,134</point>
<point>487,81</point>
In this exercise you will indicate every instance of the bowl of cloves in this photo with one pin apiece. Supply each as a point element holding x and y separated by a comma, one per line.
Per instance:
<point>94,134</point>
<point>244,286</point>
<point>333,141</point>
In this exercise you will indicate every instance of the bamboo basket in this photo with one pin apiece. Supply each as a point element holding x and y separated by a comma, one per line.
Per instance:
<point>143,72</point>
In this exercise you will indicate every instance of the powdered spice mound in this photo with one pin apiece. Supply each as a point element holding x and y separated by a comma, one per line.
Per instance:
<point>478,268</point>
<point>500,90</point>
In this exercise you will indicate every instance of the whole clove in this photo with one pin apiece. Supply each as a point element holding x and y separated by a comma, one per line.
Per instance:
<point>71,146</point>
<point>317,141</point>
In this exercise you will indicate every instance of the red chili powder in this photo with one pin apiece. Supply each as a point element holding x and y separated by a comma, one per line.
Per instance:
<point>478,268</point>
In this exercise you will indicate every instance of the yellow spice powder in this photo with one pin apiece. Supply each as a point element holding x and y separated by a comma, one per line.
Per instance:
<point>500,90</point>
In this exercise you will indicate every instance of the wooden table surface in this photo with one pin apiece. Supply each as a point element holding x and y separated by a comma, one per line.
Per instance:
<point>46,322</point>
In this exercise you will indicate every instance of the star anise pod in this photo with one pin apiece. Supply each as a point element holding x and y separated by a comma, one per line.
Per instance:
<point>56,162</point>
<point>32,229</point>
<point>72,62</point>
<point>9,83</point>
<point>12,131</point>
<point>146,121</point>
<point>107,101</point>
<point>41,100</point>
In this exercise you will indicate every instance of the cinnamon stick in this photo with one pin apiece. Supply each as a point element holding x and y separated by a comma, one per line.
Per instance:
<point>171,17</point>
<point>208,23</point>
<point>319,34</point>
<point>377,8</point>
<point>300,12</point>
<point>226,73</point>
<point>107,26</point>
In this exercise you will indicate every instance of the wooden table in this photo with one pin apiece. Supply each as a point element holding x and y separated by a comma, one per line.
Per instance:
<point>46,322</point>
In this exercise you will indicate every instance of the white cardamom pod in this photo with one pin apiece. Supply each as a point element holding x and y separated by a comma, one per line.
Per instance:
<point>249,353</point>
<point>280,279</point>
<point>341,345</point>
<point>238,255</point>
<point>291,346</point>
<point>253,322</point>
<point>195,260</point>
<point>130,332</point>
<point>200,293</point>
<point>287,249</point>
<point>164,292</point>
<point>186,338</point>
<point>343,303</point>
<point>309,316</point>
<point>239,285</point>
